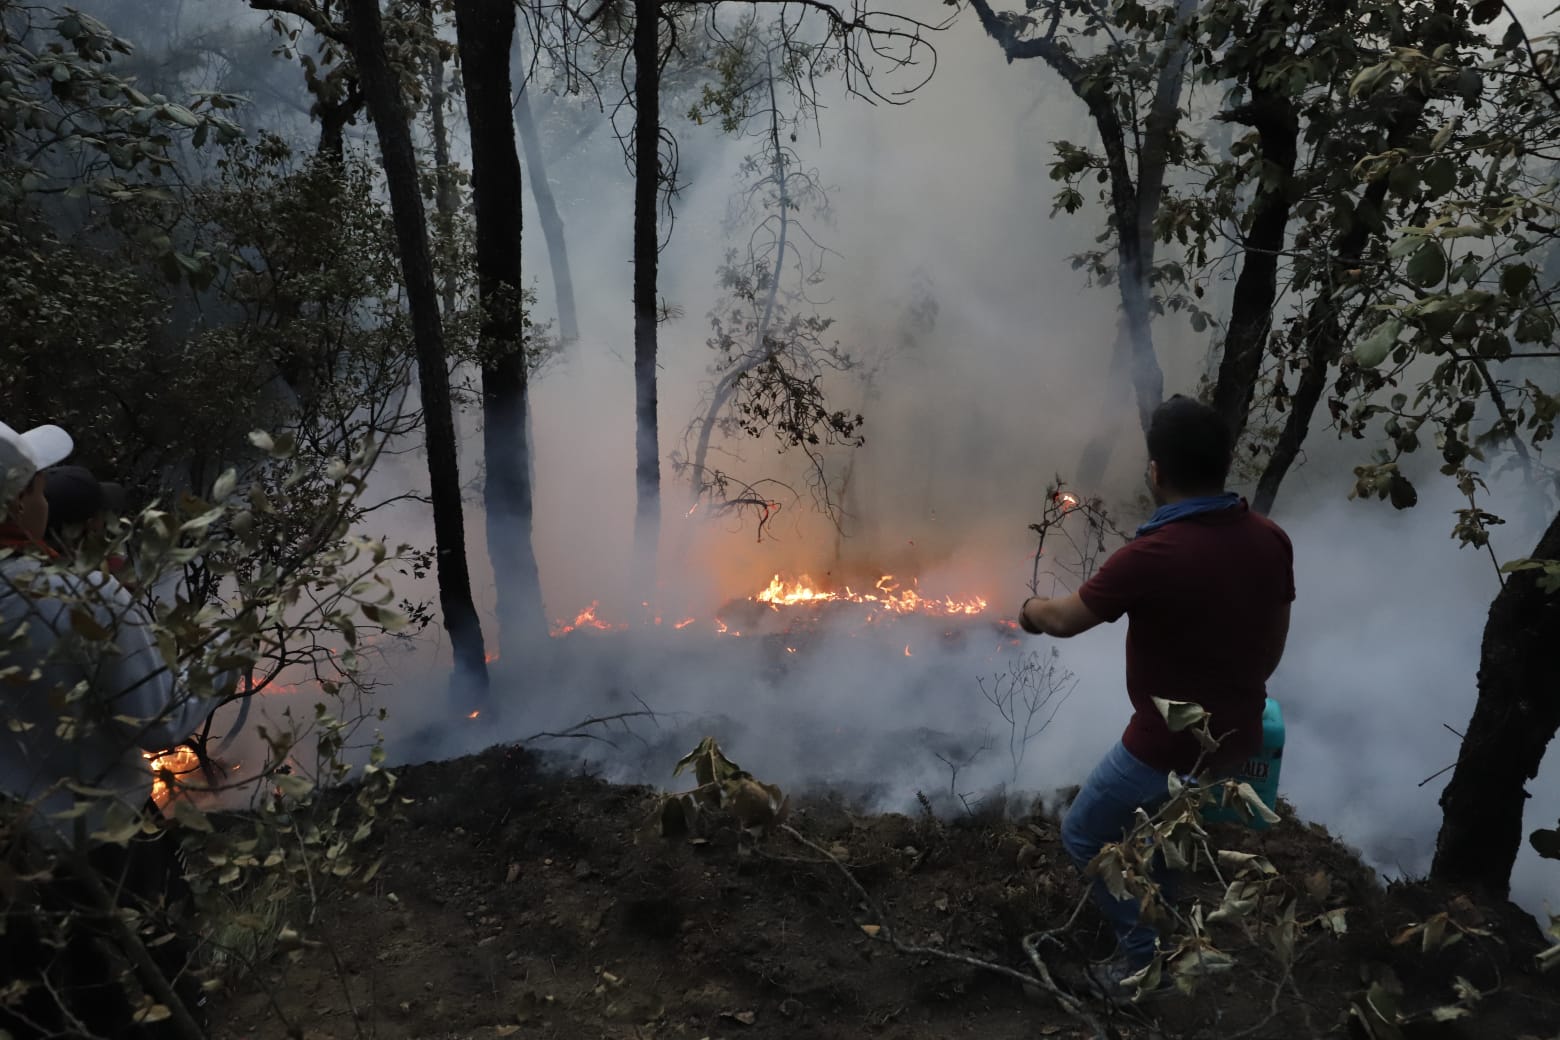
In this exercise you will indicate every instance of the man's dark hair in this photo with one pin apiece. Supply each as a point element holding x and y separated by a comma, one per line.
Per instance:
<point>1192,444</point>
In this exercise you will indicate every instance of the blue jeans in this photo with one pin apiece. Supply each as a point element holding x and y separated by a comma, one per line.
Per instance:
<point>1101,814</point>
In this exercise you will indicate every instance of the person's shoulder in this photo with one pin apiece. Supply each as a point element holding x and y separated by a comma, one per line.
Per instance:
<point>36,578</point>
<point>1268,527</point>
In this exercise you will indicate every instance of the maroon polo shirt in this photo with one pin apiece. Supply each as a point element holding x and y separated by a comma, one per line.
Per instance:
<point>1204,599</point>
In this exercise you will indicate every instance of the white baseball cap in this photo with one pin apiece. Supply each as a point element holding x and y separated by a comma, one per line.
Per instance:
<point>22,455</point>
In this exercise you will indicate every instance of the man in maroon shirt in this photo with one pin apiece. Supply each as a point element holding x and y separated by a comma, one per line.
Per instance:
<point>1206,586</point>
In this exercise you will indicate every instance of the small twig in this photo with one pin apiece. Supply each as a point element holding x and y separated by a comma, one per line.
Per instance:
<point>575,732</point>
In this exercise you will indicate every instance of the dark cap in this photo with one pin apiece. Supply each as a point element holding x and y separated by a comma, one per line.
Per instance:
<point>77,497</point>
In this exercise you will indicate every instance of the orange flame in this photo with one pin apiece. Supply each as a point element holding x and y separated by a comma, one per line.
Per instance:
<point>473,714</point>
<point>167,769</point>
<point>585,619</point>
<point>1067,500</point>
<point>888,594</point>
<point>907,651</point>
<point>684,623</point>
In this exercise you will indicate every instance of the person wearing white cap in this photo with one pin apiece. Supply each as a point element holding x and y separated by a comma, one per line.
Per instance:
<point>124,674</point>
<point>94,694</point>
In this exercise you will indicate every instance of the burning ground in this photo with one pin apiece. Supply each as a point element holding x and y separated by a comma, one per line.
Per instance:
<point>521,901</point>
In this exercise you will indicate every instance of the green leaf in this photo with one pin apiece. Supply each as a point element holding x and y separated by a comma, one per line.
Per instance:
<point>1486,11</point>
<point>1401,492</point>
<point>1515,279</point>
<point>1180,715</point>
<point>190,816</point>
<point>1427,268</point>
<point>292,785</point>
<point>1373,349</point>
<point>1546,842</point>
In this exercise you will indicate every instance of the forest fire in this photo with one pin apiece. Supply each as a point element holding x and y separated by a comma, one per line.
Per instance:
<point>888,594</point>
<point>799,602</point>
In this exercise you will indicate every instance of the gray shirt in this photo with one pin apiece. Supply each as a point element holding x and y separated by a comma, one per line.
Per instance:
<point>85,691</point>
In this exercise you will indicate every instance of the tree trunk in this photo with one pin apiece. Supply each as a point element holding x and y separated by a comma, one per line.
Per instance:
<point>1514,720</point>
<point>1095,460</point>
<point>552,220</point>
<point>1251,314</point>
<point>647,183</point>
<point>385,105</point>
<point>484,30</point>
<point>444,196</point>
<point>1323,331</point>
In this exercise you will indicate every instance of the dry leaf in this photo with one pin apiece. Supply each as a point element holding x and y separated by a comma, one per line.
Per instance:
<point>941,903</point>
<point>512,873</point>
<point>872,929</point>
<point>506,1030</point>
<point>747,1018</point>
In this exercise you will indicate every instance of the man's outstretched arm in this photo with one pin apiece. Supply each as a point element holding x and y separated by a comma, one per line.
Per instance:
<point>1061,617</point>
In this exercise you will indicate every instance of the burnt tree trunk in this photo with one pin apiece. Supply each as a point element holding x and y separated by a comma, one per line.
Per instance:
<point>1514,721</point>
<point>647,185</point>
<point>484,30</point>
<point>551,219</point>
<point>383,98</point>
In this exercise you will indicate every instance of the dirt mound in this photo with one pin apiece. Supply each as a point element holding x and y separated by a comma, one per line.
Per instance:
<point>515,900</point>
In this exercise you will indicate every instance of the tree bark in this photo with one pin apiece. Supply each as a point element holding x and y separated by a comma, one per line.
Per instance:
<point>551,219</point>
<point>484,31</point>
<point>444,198</point>
<point>647,183</point>
<point>389,113</point>
<point>1514,721</point>
<point>1251,313</point>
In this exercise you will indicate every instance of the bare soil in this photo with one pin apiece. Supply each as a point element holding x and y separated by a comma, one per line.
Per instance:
<point>521,901</point>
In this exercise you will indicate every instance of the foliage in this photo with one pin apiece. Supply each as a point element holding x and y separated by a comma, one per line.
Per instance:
<point>256,875</point>
<point>724,788</point>
<point>771,352</point>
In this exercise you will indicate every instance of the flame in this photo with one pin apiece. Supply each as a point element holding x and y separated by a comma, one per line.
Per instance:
<point>167,769</point>
<point>473,714</point>
<point>489,658</point>
<point>907,651</point>
<point>888,594</point>
<point>684,623</point>
<point>584,619</point>
<point>1067,500</point>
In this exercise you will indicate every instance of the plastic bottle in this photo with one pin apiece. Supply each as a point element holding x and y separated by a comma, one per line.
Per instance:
<point>1260,771</point>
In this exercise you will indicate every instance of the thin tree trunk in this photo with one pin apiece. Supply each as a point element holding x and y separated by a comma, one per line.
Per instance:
<point>1133,208</point>
<point>551,219</point>
<point>444,178</point>
<point>383,98</point>
<point>647,183</point>
<point>759,352</point>
<point>484,30</point>
<point>1251,314</point>
<point>1514,721</point>
<point>1323,326</point>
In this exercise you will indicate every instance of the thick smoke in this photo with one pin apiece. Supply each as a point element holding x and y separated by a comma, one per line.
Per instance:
<point>964,432</point>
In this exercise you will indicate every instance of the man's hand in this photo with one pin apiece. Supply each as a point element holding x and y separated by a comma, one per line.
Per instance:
<point>1062,617</point>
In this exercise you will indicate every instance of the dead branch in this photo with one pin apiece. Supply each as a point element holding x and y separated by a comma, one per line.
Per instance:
<point>579,730</point>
